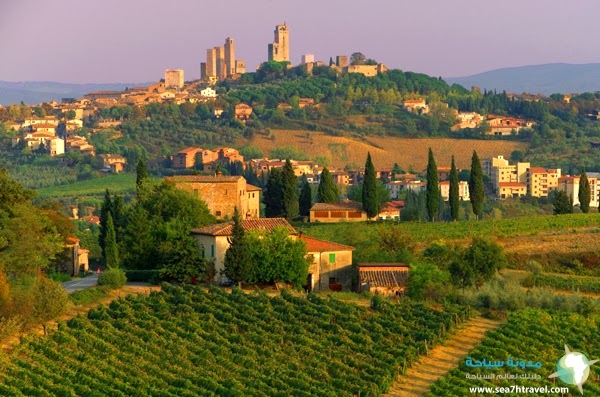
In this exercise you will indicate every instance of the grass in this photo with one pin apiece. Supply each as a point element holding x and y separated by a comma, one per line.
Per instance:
<point>89,295</point>
<point>116,183</point>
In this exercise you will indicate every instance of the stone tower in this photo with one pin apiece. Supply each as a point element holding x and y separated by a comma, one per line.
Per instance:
<point>229,57</point>
<point>279,50</point>
<point>220,55</point>
<point>211,62</point>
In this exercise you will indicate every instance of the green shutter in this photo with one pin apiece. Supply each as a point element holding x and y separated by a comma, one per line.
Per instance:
<point>212,250</point>
<point>331,258</point>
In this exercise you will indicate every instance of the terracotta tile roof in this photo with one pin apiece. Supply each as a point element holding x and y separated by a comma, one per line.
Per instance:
<point>252,188</point>
<point>537,170</point>
<point>316,245</point>
<point>189,150</point>
<point>397,204</point>
<point>350,206</point>
<point>413,101</point>
<point>112,157</point>
<point>43,125</point>
<point>511,184</point>
<point>226,229</point>
<point>384,275</point>
<point>203,178</point>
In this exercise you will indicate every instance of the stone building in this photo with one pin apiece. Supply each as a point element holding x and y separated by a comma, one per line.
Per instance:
<point>229,56</point>
<point>185,158</point>
<point>222,194</point>
<point>383,278</point>
<point>174,78</point>
<point>114,162</point>
<point>279,50</point>
<point>337,212</point>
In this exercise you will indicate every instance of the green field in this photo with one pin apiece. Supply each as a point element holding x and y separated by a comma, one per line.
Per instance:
<point>366,236</point>
<point>568,282</point>
<point>189,342</point>
<point>529,335</point>
<point>117,183</point>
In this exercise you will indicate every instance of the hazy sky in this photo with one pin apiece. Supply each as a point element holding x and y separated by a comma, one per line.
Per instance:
<point>100,41</point>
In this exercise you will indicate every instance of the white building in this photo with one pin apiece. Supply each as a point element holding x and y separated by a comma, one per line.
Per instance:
<point>570,185</point>
<point>208,92</point>
<point>463,190</point>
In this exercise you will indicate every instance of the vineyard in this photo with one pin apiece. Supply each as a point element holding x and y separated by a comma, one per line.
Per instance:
<point>569,283</point>
<point>117,183</point>
<point>189,342</point>
<point>530,335</point>
<point>386,151</point>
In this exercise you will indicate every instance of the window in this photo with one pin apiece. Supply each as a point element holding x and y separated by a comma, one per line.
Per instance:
<point>212,250</point>
<point>202,250</point>
<point>217,213</point>
<point>331,258</point>
<point>332,280</point>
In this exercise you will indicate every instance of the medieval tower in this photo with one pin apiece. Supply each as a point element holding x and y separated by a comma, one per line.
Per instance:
<point>279,50</point>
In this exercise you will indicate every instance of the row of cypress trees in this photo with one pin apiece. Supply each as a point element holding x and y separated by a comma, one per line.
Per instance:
<point>476,189</point>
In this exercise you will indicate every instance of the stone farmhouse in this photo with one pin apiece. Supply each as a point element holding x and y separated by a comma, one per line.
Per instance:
<point>330,264</point>
<point>222,194</point>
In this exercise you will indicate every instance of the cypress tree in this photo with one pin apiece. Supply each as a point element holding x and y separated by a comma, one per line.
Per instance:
<point>111,250</point>
<point>584,193</point>
<point>305,200</point>
<point>476,191</point>
<point>327,191</point>
<point>273,196</point>
<point>290,191</point>
<point>237,257</point>
<point>563,204</point>
<point>454,199</point>
<point>433,190</point>
<point>369,189</point>
<point>141,171</point>
<point>104,212</point>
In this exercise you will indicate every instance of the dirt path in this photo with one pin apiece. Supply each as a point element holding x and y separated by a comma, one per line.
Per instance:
<point>441,359</point>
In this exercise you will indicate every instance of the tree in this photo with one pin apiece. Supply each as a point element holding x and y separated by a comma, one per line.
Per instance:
<point>433,190</point>
<point>584,193</point>
<point>111,250</point>
<point>273,195</point>
<point>369,191</point>
<point>427,282</point>
<point>479,263</point>
<point>476,191</point>
<point>327,191</point>
<point>563,204</point>
<point>105,210</point>
<point>142,175</point>
<point>290,191</point>
<point>383,194</point>
<point>50,300</point>
<point>357,58</point>
<point>237,257</point>
<point>305,200</point>
<point>454,199</point>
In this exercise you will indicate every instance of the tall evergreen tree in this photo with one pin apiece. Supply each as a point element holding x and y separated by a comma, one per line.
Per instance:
<point>327,191</point>
<point>563,204</point>
<point>111,250</point>
<point>273,195</point>
<point>142,175</point>
<point>305,200</point>
<point>117,211</point>
<point>237,257</point>
<point>290,191</point>
<point>104,212</point>
<point>454,199</point>
<point>584,193</point>
<point>433,189</point>
<point>369,190</point>
<point>476,191</point>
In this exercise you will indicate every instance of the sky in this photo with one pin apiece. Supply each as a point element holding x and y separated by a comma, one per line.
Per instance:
<point>110,41</point>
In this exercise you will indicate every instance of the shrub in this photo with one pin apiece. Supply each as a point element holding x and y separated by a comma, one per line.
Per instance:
<point>113,278</point>
<point>147,276</point>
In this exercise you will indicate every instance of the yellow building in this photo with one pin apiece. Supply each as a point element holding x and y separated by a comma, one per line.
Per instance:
<point>222,194</point>
<point>540,181</point>
<point>511,189</point>
<point>337,212</point>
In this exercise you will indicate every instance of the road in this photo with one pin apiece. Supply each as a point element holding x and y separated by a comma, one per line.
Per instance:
<point>81,283</point>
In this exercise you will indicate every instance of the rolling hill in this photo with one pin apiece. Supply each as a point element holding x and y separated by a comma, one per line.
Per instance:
<point>385,151</point>
<point>543,79</point>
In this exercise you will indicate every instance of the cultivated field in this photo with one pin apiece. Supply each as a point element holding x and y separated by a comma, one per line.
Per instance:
<point>532,336</point>
<point>117,183</point>
<point>385,151</point>
<point>189,342</point>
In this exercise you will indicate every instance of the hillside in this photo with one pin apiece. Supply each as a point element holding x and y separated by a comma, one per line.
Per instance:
<point>385,151</point>
<point>544,79</point>
<point>32,92</point>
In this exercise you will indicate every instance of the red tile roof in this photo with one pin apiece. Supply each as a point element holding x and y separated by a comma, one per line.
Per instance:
<point>189,150</point>
<point>316,245</point>
<point>350,206</point>
<point>226,229</point>
<point>537,170</point>
<point>252,188</point>
<point>203,178</point>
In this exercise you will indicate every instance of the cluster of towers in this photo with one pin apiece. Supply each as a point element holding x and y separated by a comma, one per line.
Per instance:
<point>221,63</point>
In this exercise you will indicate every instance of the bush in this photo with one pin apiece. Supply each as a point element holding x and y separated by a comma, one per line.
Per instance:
<point>146,276</point>
<point>59,277</point>
<point>113,278</point>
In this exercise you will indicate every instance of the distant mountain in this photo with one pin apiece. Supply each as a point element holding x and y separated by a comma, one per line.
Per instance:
<point>543,79</point>
<point>32,92</point>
